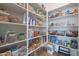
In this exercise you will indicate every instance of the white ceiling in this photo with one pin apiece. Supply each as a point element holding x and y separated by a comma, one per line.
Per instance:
<point>51,6</point>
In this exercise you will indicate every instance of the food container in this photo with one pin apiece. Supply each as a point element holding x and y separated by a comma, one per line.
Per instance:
<point>14,19</point>
<point>2,39</point>
<point>10,37</point>
<point>21,36</point>
<point>4,18</point>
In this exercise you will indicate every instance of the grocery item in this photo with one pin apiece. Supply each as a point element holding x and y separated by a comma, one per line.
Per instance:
<point>2,39</point>
<point>4,18</point>
<point>14,19</point>
<point>39,22</point>
<point>75,11</point>
<point>53,33</point>
<point>14,51</point>
<point>10,37</point>
<point>36,33</point>
<point>43,39</point>
<point>74,44</point>
<point>72,33</point>
<point>39,40</point>
<point>22,50</point>
<point>6,53</point>
<point>30,33</point>
<point>53,38</point>
<point>52,24</point>
<point>68,11</point>
<point>60,32</point>
<point>21,36</point>
<point>69,44</point>
<point>50,49</point>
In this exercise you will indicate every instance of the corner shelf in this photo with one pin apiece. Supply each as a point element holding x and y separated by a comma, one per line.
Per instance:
<point>36,16</point>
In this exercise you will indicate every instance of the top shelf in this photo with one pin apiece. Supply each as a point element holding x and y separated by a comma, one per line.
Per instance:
<point>12,7</point>
<point>38,6</point>
<point>69,5</point>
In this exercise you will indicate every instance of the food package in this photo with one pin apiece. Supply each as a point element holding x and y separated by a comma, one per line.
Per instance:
<point>75,11</point>
<point>74,44</point>
<point>6,53</point>
<point>11,37</point>
<point>4,18</point>
<point>2,40</point>
<point>39,22</point>
<point>22,51</point>
<point>72,33</point>
<point>14,19</point>
<point>53,33</point>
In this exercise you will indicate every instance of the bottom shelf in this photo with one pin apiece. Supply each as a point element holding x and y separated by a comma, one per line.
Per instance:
<point>37,48</point>
<point>19,49</point>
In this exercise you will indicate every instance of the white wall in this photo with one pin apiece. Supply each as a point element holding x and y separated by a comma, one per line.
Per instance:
<point>51,6</point>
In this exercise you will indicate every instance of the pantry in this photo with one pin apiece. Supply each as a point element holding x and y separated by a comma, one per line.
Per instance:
<point>29,29</point>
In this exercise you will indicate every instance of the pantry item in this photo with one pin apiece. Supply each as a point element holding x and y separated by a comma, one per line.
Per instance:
<point>64,50</point>
<point>43,39</point>
<point>60,33</point>
<point>69,11</point>
<point>14,19</point>
<point>74,44</point>
<point>75,11</point>
<point>2,39</point>
<point>30,45</point>
<point>58,42</point>
<point>39,40</point>
<point>72,33</point>
<point>35,33</point>
<point>22,50</point>
<point>52,24</point>
<point>39,22</point>
<point>4,18</point>
<point>21,36</point>
<point>53,38</point>
<point>30,33</point>
<point>10,37</point>
<point>53,33</point>
<point>14,51</point>
<point>50,49</point>
<point>69,44</point>
<point>6,53</point>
